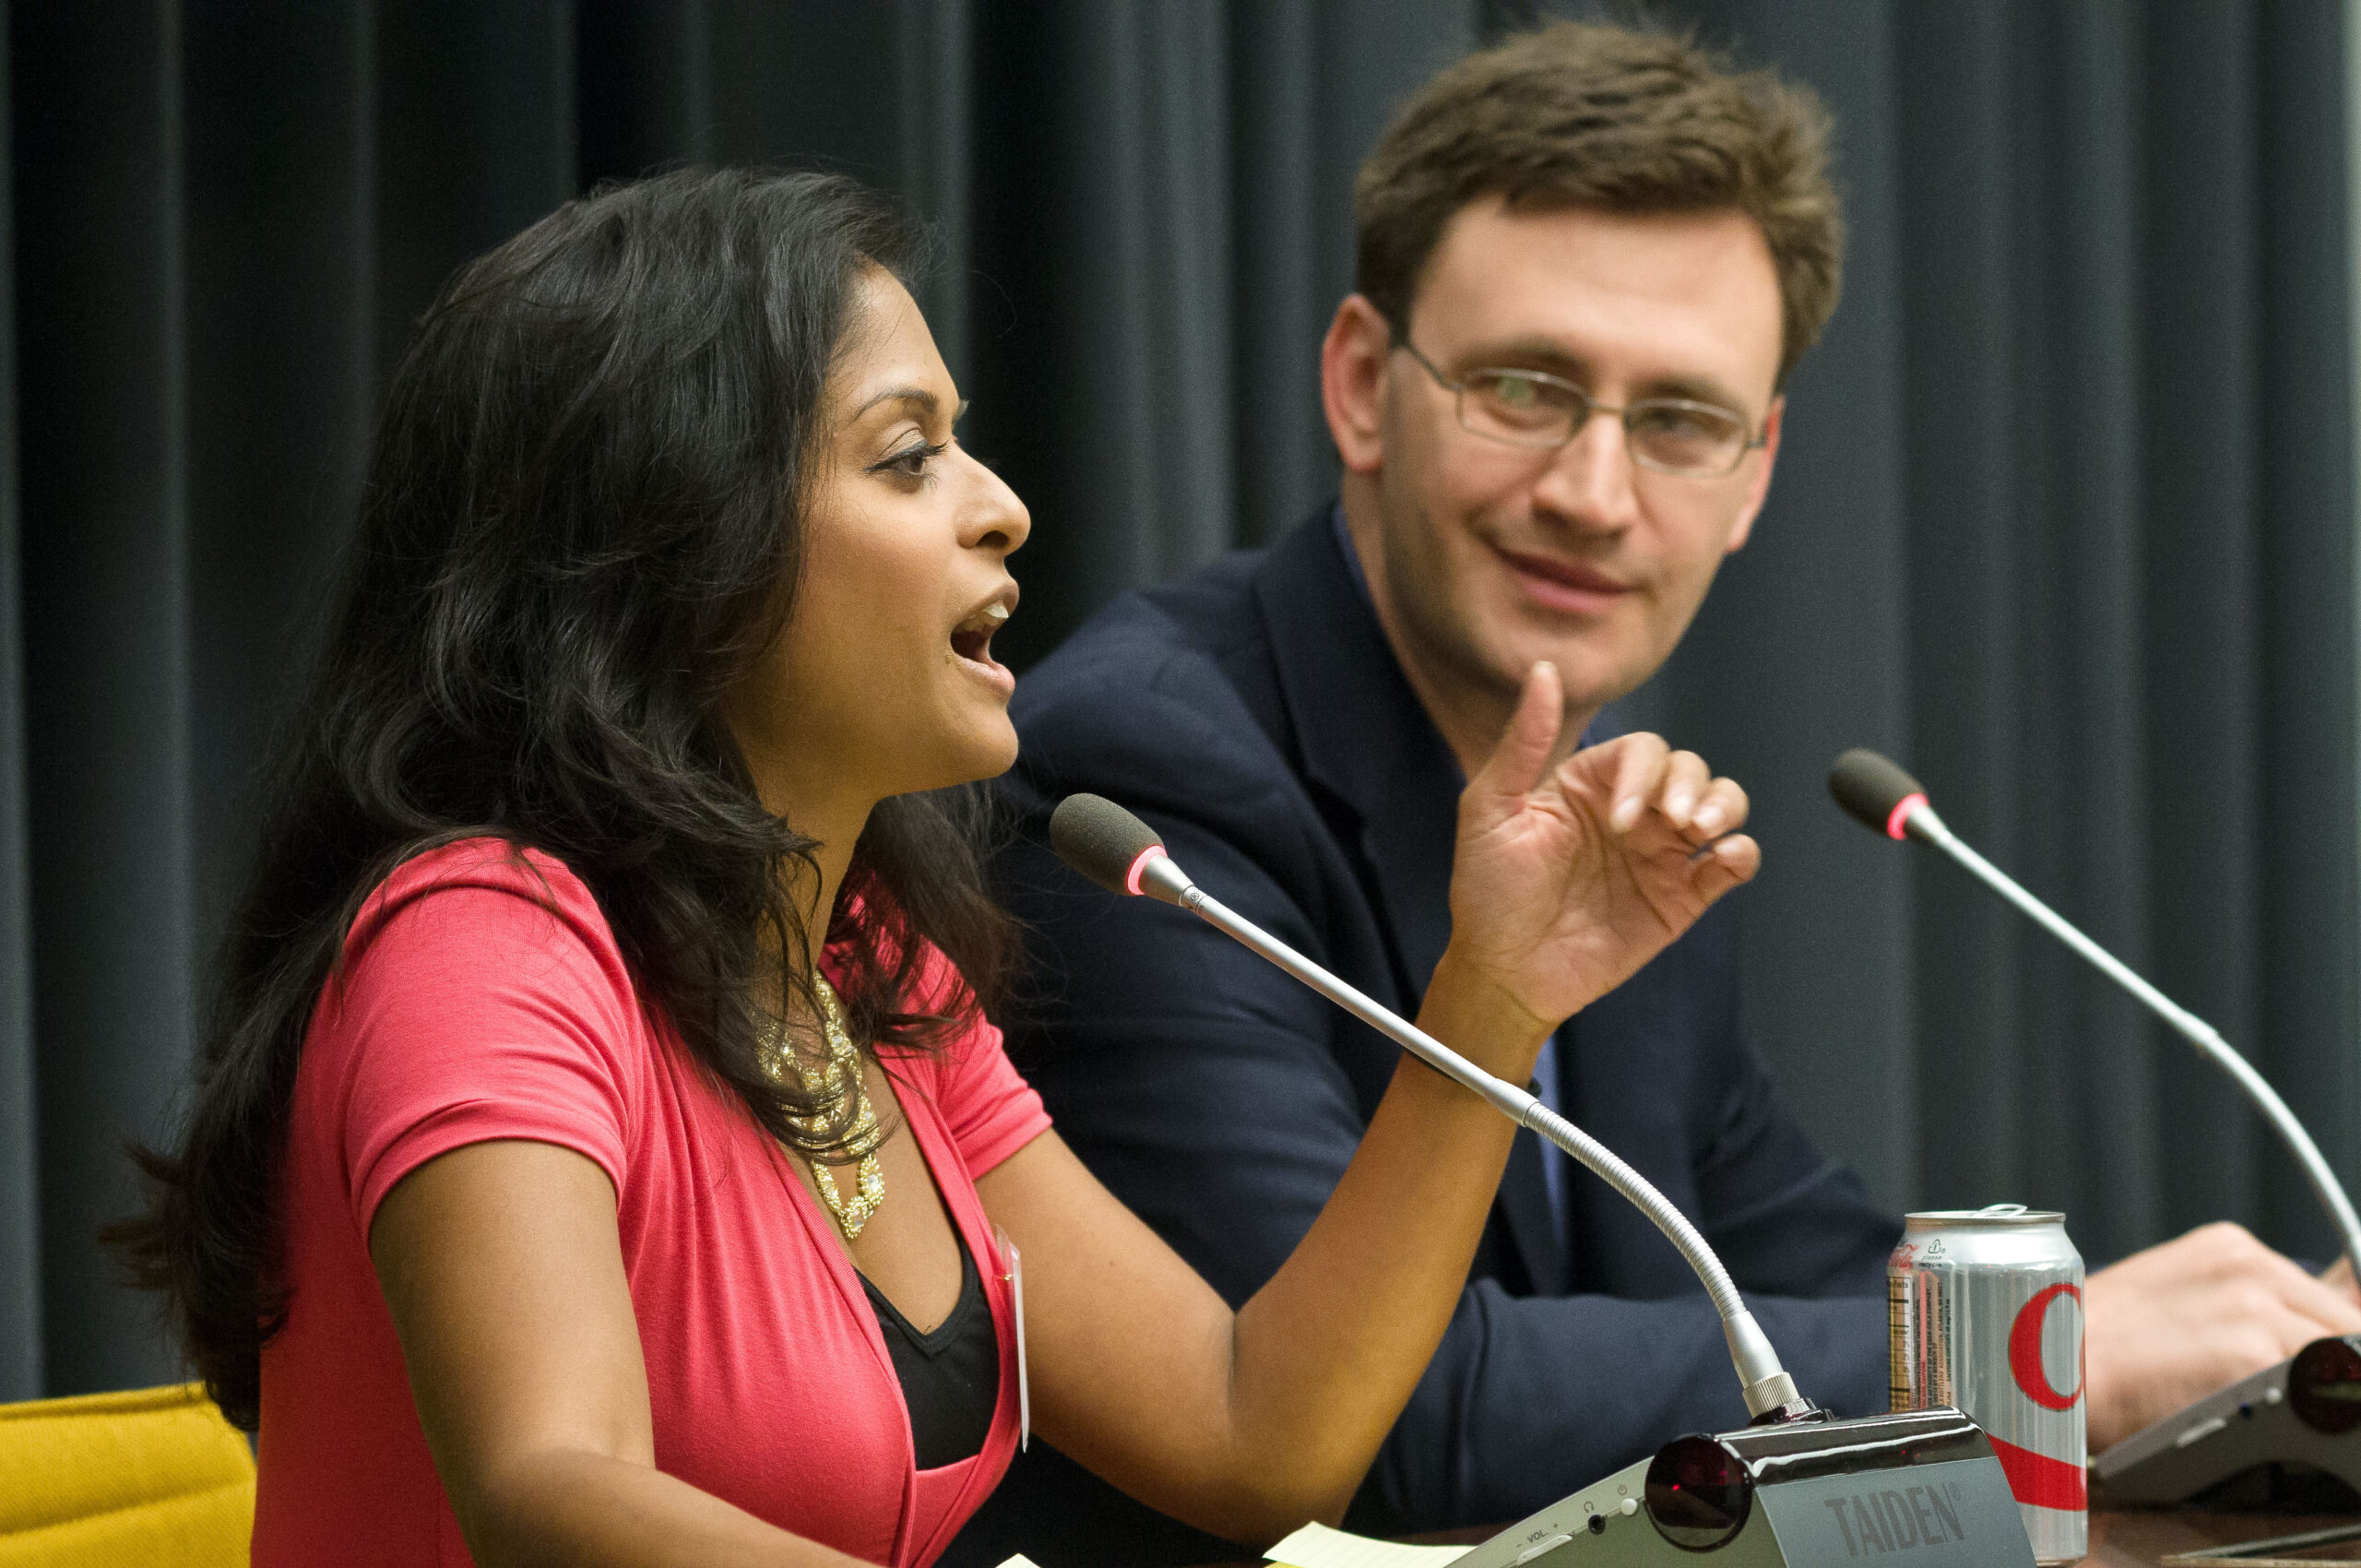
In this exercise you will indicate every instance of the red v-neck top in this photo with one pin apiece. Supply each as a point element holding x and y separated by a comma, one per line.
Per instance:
<point>483,997</point>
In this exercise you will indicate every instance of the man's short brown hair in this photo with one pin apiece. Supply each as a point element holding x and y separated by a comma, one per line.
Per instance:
<point>1577,115</point>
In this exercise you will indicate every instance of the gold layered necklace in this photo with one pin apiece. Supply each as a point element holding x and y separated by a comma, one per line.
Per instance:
<point>830,1082</point>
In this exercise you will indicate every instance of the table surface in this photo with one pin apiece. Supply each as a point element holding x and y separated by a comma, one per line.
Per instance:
<point>2127,1537</point>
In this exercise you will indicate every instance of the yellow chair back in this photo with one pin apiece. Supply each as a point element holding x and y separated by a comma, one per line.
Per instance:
<point>147,1476</point>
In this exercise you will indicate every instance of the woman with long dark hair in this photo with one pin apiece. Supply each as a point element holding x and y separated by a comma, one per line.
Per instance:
<point>599,1153</point>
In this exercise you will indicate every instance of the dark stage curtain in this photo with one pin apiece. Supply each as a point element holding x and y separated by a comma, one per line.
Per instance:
<point>2064,517</point>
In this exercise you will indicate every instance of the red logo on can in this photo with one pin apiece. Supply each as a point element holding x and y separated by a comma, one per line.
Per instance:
<point>2025,1350</point>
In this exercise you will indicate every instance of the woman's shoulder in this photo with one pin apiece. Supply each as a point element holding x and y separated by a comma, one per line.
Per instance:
<point>483,861</point>
<point>484,883</point>
<point>481,997</point>
<point>490,908</point>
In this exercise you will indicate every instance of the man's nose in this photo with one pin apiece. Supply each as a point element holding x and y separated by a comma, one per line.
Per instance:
<point>1590,480</point>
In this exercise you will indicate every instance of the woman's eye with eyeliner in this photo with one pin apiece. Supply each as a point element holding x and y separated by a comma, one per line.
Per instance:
<point>910,461</point>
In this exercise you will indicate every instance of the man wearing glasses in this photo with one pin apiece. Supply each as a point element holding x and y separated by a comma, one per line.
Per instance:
<point>1587,260</point>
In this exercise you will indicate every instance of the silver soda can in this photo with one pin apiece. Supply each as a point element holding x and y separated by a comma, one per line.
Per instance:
<point>1985,1311</point>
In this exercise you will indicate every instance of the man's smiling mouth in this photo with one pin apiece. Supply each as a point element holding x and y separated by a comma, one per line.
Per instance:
<point>1568,586</point>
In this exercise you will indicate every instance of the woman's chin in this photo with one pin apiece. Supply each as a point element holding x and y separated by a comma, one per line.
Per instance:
<point>999,760</point>
<point>986,752</point>
<point>1001,756</point>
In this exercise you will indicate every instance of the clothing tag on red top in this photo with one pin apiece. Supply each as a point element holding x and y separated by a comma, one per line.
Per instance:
<point>1013,1271</point>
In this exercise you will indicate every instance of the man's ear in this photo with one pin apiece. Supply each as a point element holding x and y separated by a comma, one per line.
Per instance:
<point>1761,485</point>
<point>1352,383</point>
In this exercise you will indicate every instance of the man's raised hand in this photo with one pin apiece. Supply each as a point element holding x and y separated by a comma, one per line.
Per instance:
<point>1567,879</point>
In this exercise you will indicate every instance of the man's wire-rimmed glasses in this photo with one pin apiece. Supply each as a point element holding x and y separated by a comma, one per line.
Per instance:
<point>1534,409</point>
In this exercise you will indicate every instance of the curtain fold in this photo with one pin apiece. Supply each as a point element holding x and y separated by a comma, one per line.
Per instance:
<point>20,1359</point>
<point>104,484</point>
<point>2305,666</point>
<point>2064,516</point>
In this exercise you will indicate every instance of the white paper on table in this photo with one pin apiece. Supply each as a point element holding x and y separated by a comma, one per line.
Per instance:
<point>1317,1546</point>
<point>1019,1561</point>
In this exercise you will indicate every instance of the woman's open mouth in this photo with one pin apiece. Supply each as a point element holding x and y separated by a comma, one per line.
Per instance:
<point>971,640</point>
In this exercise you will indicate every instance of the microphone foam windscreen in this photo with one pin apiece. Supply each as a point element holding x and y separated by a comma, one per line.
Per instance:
<point>1868,787</point>
<point>1100,839</point>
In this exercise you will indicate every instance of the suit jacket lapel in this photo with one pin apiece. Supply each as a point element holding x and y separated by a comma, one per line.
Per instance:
<point>1367,740</point>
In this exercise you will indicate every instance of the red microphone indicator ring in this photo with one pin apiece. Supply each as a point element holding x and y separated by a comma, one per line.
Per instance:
<point>1139,863</point>
<point>1897,824</point>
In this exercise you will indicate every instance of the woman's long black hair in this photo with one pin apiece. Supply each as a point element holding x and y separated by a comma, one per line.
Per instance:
<point>580,525</point>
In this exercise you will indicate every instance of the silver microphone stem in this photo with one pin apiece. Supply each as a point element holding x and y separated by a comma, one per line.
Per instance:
<point>1923,821</point>
<point>1766,1384</point>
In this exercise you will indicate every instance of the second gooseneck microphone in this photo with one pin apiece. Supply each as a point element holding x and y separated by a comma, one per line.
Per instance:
<point>1124,855</point>
<point>1881,796</point>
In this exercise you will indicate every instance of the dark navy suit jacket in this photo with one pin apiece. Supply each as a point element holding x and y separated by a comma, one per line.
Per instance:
<point>1255,715</point>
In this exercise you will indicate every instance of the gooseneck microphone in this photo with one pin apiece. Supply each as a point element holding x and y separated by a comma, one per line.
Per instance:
<point>1881,796</point>
<point>1124,855</point>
